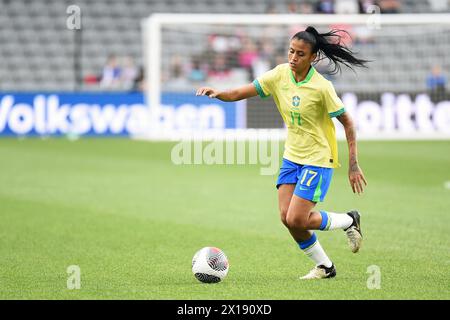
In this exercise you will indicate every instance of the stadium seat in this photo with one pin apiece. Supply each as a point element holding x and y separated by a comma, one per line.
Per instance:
<point>34,32</point>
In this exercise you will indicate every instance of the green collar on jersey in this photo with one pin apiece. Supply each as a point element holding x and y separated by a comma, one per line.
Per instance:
<point>307,78</point>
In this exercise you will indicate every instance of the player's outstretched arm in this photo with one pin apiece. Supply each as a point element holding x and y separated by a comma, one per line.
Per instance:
<point>355,174</point>
<point>236,94</point>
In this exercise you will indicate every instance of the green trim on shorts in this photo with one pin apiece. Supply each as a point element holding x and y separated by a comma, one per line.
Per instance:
<point>318,191</point>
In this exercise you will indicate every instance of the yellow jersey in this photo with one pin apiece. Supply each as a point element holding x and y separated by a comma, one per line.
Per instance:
<point>307,108</point>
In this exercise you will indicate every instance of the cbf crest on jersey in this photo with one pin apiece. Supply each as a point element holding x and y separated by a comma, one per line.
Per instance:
<point>295,101</point>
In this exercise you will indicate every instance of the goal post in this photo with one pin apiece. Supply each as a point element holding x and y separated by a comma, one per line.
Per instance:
<point>391,99</point>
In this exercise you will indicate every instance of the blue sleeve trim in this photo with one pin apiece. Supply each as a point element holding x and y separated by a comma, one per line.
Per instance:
<point>337,113</point>
<point>259,89</point>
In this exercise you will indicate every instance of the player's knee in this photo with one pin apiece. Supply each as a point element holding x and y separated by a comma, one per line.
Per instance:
<point>296,223</point>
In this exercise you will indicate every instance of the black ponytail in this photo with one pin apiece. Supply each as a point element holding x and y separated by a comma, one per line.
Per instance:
<point>328,45</point>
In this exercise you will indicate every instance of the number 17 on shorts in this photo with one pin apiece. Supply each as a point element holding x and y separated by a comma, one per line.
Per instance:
<point>313,183</point>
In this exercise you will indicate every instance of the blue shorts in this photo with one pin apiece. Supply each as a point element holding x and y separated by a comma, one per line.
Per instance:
<point>311,182</point>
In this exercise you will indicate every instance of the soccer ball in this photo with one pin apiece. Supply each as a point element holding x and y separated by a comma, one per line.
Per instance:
<point>210,265</point>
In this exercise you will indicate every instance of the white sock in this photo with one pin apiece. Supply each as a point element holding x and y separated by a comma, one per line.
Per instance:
<point>332,221</point>
<point>314,250</point>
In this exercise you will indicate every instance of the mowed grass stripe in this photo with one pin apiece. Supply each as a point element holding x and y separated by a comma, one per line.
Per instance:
<point>133,220</point>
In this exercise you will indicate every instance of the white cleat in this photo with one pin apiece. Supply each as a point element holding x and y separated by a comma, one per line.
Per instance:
<point>320,272</point>
<point>354,235</point>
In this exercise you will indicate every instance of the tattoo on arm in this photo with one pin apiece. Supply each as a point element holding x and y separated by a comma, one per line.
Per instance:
<point>351,139</point>
<point>350,134</point>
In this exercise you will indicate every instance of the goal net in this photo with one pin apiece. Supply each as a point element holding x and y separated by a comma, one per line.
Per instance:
<point>403,94</point>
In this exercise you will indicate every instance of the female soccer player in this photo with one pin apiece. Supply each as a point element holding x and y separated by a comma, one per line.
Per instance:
<point>307,102</point>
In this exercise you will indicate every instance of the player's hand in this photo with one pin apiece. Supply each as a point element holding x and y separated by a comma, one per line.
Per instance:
<point>356,177</point>
<point>207,91</point>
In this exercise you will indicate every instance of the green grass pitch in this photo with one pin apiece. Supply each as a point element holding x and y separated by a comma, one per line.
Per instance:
<point>132,220</point>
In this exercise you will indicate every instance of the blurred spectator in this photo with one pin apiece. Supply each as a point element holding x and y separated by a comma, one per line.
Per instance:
<point>346,6</point>
<point>436,81</point>
<point>176,68</point>
<point>263,62</point>
<point>111,74</point>
<point>366,5</point>
<point>325,6</point>
<point>91,79</point>
<point>306,8</point>
<point>177,77</point>
<point>139,81</point>
<point>248,55</point>
<point>128,74</point>
<point>292,7</point>
<point>207,56</point>
<point>196,74</point>
<point>219,69</point>
<point>219,43</point>
<point>389,6</point>
<point>226,45</point>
